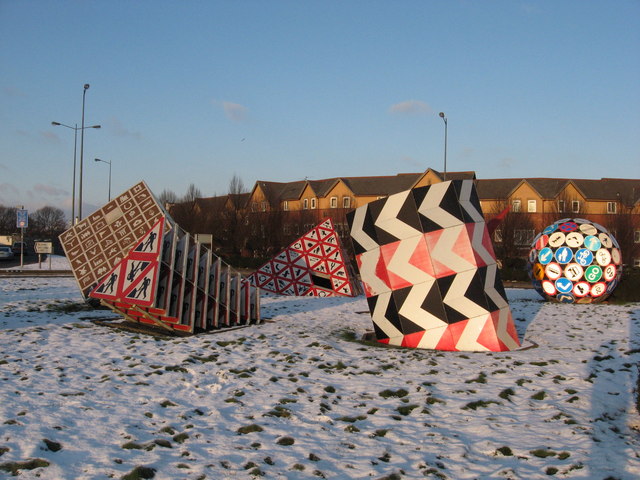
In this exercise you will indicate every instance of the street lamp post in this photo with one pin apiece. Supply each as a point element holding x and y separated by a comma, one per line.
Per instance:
<point>109,162</point>
<point>444,118</point>
<point>75,147</point>
<point>84,92</point>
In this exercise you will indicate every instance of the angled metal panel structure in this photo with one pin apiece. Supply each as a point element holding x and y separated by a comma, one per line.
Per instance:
<point>151,271</point>
<point>429,270</point>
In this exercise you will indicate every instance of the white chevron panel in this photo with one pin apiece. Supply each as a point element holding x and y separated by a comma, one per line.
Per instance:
<point>443,254</point>
<point>468,341</point>
<point>368,266</point>
<point>455,296</point>
<point>379,316</point>
<point>412,310</point>
<point>477,241</point>
<point>432,337</point>
<point>465,195</point>
<point>430,206</point>
<point>504,321</point>
<point>401,265</point>
<point>388,218</point>
<point>357,233</point>
<point>489,288</point>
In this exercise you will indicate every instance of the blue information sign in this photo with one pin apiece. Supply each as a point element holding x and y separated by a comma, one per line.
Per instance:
<point>22,218</point>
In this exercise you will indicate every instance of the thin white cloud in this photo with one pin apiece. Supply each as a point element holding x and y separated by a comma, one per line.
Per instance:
<point>116,127</point>
<point>49,190</point>
<point>50,137</point>
<point>410,107</point>
<point>13,92</point>
<point>235,111</point>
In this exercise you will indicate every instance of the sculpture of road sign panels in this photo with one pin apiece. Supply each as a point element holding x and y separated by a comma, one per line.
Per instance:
<point>137,261</point>
<point>313,265</point>
<point>184,292</point>
<point>97,243</point>
<point>575,261</point>
<point>429,270</point>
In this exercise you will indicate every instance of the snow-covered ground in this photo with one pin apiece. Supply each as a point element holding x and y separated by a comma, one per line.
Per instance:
<point>297,397</point>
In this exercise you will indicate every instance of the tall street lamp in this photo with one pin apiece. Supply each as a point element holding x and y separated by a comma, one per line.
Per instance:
<point>444,118</point>
<point>75,145</point>
<point>84,92</point>
<point>109,162</point>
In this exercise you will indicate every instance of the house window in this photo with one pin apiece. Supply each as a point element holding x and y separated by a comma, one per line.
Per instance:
<point>346,202</point>
<point>523,237</point>
<point>531,206</point>
<point>254,207</point>
<point>560,206</point>
<point>333,203</point>
<point>575,206</point>
<point>515,206</point>
<point>636,236</point>
<point>285,205</point>
<point>263,206</point>
<point>305,204</point>
<point>636,262</point>
<point>611,207</point>
<point>497,236</point>
<point>313,203</point>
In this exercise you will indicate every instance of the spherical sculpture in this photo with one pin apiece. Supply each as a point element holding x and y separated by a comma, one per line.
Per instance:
<point>575,261</point>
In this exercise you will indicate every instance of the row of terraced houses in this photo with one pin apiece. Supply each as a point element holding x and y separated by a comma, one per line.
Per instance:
<point>273,214</point>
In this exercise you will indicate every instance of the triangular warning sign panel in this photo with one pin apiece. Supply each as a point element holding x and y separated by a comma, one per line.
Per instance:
<point>134,278</point>
<point>296,270</point>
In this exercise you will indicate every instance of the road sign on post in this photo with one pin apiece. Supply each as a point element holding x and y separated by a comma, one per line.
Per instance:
<point>22,218</point>
<point>43,247</point>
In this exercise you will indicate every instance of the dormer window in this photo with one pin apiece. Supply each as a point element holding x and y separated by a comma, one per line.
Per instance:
<point>313,203</point>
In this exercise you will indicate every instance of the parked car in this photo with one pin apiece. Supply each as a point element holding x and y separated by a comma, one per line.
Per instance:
<point>5,252</point>
<point>19,247</point>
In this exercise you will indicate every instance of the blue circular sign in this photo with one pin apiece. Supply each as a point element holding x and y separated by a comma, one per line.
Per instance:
<point>584,257</point>
<point>545,255</point>
<point>564,255</point>
<point>592,242</point>
<point>564,285</point>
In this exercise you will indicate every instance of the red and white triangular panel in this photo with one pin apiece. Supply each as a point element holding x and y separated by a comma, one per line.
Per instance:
<point>313,265</point>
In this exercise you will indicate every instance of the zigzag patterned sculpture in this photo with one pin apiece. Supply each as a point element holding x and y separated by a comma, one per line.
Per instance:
<point>429,270</point>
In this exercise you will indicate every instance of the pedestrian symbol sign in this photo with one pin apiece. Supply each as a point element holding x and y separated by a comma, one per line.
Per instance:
<point>134,278</point>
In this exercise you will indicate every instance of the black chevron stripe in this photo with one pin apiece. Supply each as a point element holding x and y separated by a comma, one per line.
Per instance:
<point>449,203</point>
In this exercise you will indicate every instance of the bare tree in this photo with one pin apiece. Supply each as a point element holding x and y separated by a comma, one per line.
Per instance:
<point>167,196</point>
<point>48,222</point>
<point>236,185</point>
<point>7,220</point>
<point>192,194</point>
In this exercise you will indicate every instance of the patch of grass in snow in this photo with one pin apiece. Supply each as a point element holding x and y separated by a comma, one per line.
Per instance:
<point>481,378</point>
<point>286,441</point>
<point>505,451</point>
<point>140,472</point>
<point>506,393</point>
<point>278,411</point>
<point>14,467</point>
<point>406,409</point>
<point>541,395</point>
<point>249,429</point>
<point>401,392</point>
<point>479,404</point>
<point>68,307</point>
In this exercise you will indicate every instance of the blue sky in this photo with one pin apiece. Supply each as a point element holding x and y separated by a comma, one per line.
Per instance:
<point>197,91</point>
